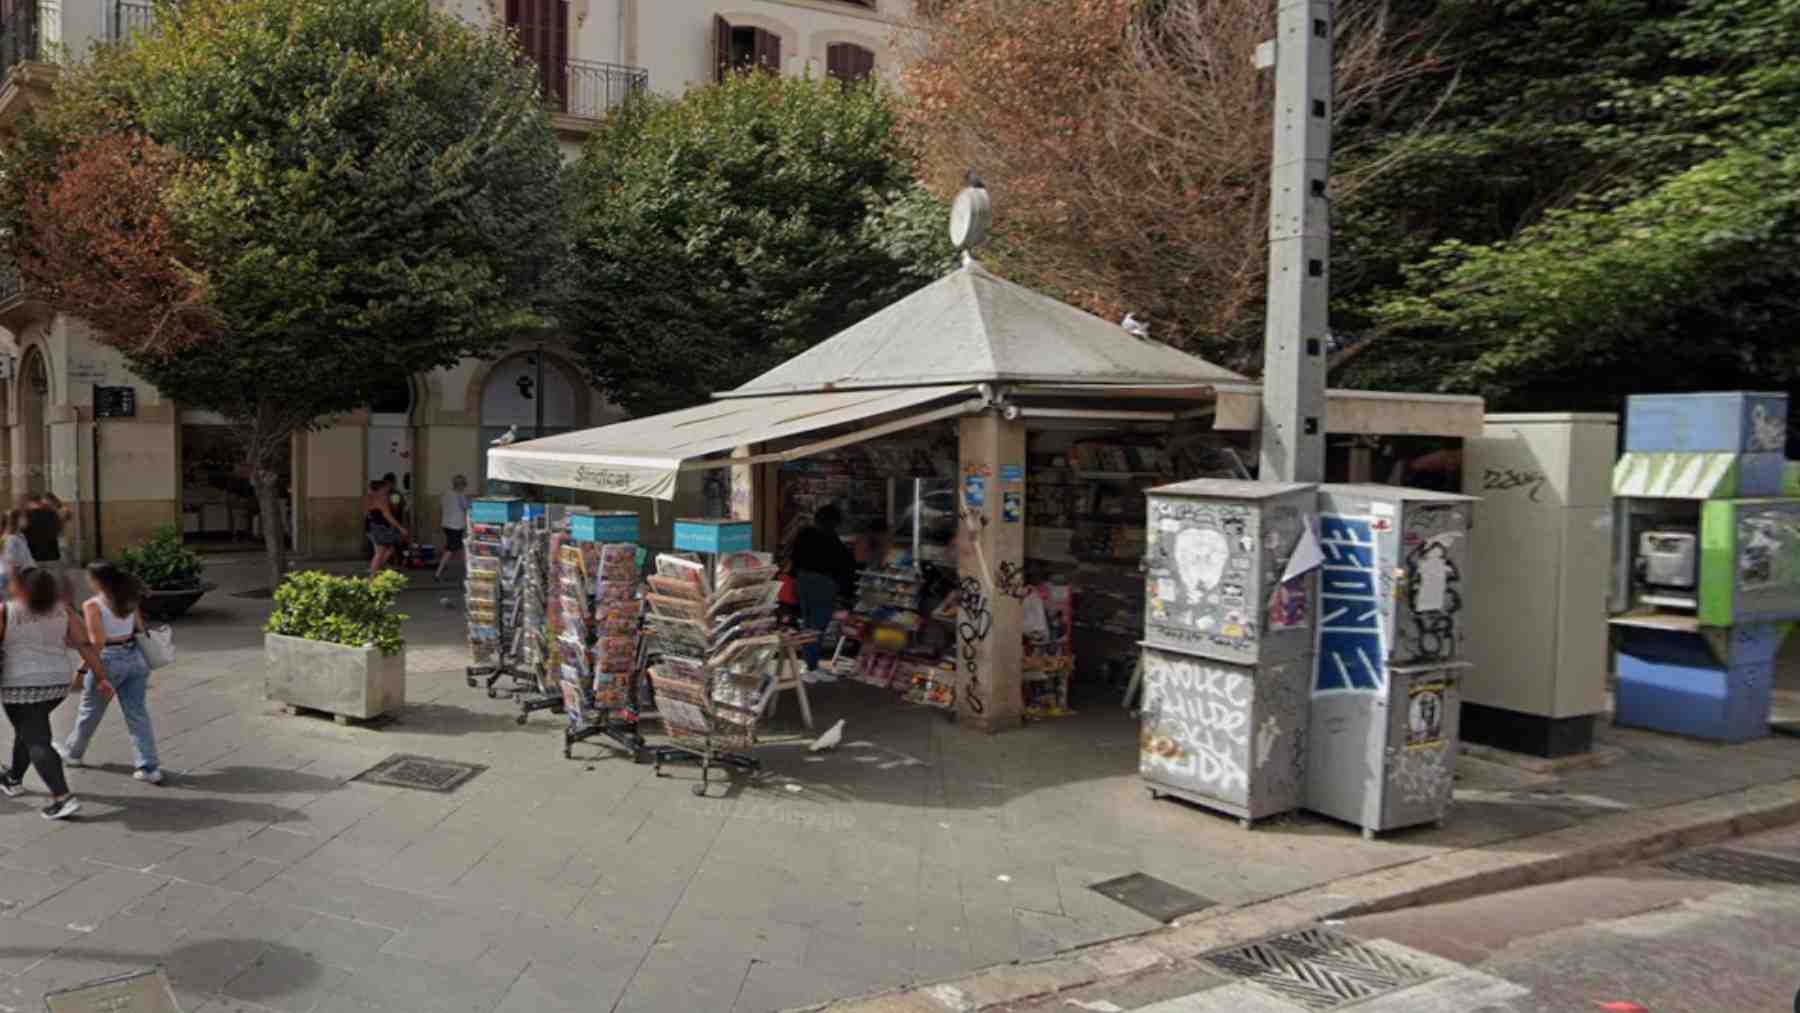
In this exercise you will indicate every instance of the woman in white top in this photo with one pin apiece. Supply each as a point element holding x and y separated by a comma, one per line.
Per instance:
<point>456,521</point>
<point>15,552</point>
<point>37,630</point>
<point>114,619</point>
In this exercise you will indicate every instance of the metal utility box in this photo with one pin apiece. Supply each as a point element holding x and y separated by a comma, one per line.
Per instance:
<point>1393,590</point>
<point>1543,534</point>
<point>1217,550</point>
<point>1228,737</point>
<point>1387,758</point>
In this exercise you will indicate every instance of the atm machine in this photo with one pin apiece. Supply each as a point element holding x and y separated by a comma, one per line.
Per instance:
<point>1394,589</point>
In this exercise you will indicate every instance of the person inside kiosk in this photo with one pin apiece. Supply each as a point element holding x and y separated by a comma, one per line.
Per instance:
<point>824,570</point>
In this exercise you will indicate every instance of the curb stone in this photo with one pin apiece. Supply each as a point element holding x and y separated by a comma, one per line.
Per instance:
<point>1601,843</point>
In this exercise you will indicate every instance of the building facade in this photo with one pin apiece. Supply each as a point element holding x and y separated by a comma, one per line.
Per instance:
<point>172,464</point>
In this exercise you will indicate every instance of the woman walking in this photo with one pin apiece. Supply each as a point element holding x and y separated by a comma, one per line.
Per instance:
<point>37,630</point>
<point>114,620</point>
<point>384,528</point>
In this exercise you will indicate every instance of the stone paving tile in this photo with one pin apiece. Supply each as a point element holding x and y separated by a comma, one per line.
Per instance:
<point>537,941</point>
<point>85,904</point>
<point>452,934</point>
<point>180,905</point>
<point>278,844</point>
<point>406,985</point>
<point>286,981</point>
<point>26,943</point>
<point>251,875</point>
<point>199,865</point>
<point>346,898</point>
<point>339,942</point>
<point>770,989</point>
<point>670,980</point>
<point>544,988</point>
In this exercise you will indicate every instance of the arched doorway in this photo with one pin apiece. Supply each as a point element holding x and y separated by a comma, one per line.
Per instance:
<point>393,447</point>
<point>516,390</point>
<point>34,419</point>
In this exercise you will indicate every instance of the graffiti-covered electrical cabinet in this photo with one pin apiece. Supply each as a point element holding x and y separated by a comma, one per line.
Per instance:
<point>1708,562</point>
<point>1393,589</point>
<point>1228,631</point>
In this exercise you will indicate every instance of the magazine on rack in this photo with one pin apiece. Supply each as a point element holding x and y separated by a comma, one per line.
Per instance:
<point>677,608</point>
<point>675,587</point>
<point>692,571</point>
<point>748,596</point>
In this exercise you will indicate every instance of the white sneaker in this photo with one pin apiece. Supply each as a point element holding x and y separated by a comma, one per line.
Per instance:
<point>818,676</point>
<point>149,776</point>
<point>72,761</point>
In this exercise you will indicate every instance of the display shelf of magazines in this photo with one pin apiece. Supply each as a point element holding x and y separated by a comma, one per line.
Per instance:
<point>599,605</point>
<point>715,645</point>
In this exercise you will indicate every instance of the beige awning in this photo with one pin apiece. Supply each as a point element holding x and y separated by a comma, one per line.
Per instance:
<point>641,457</point>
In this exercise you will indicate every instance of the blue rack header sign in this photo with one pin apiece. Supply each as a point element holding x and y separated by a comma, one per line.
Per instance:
<point>496,510</point>
<point>712,536</point>
<point>609,526</point>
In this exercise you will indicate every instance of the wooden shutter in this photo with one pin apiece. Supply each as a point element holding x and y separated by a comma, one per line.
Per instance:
<point>768,51</point>
<point>848,62</point>
<point>721,48</point>
<point>543,30</point>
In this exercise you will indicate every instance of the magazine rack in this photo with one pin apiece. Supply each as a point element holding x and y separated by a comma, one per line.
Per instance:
<point>714,634</point>
<point>599,642</point>
<point>499,534</point>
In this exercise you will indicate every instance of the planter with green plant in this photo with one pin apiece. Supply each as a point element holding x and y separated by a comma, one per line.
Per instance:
<point>333,644</point>
<point>174,577</point>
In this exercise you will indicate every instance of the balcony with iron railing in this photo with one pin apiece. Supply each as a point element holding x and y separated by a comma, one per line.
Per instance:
<point>589,89</point>
<point>130,17</point>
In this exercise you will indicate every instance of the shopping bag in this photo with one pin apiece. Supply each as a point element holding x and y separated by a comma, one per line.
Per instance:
<point>159,647</point>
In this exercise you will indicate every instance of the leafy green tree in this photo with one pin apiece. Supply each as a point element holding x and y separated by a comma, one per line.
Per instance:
<point>1608,201</point>
<point>722,232</point>
<point>276,207</point>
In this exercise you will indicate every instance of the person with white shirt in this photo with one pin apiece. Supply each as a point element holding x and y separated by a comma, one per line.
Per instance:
<point>456,521</point>
<point>15,552</point>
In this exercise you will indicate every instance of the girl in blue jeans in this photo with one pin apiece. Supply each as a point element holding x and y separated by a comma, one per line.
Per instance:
<point>115,620</point>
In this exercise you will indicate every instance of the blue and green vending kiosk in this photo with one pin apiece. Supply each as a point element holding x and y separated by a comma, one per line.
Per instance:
<point>1707,561</point>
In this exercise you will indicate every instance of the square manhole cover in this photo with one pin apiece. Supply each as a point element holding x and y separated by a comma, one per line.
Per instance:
<point>1317,968</point>
<point>1729,865</point>
<point>424,773</point>
<point>1155,898</point>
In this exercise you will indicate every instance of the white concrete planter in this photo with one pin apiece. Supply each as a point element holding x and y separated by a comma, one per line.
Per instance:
<point>349,682</point>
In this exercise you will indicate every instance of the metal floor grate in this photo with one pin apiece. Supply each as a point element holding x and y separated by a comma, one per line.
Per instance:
<point>1317,968</point>
<point>422,773</point>
<point>1729,865</point>
<point>1152,897</point>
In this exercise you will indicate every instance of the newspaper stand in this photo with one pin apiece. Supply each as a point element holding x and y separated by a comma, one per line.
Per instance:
<point>599,641</point>
<point>498,534</point>
<point>716,641</point>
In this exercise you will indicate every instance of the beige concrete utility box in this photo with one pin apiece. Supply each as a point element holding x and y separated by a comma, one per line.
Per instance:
<point>345,682</point>
<point>1543,542</point>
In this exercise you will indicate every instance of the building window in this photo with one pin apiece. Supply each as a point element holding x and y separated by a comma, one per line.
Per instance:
<point>737,48</point>
<point>847,62</point>
<point>543,30</point>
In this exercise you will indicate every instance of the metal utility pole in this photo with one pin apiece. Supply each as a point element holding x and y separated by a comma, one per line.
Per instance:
<point>1293,405</point>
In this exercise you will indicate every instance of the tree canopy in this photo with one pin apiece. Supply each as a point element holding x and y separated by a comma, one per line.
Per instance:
<point>1607,203</point>
<point>719,233</point>
<point>276,207</point>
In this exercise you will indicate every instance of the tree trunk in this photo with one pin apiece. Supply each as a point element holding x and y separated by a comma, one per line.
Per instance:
<point>263,437</point>
<point>268,499</point>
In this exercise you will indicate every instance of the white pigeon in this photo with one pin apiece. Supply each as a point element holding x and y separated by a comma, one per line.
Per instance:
<point>507,438</point>
<point>832,736</point>
<point>1135,327</point>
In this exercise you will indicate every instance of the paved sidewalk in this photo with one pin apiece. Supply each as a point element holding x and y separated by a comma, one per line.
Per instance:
<point>1714,928</point>
<point>261,877</point>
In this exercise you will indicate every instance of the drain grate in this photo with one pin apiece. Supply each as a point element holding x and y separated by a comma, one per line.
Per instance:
<point>1317,968</point>
<point>423,773</point>
<point>1152,897</point>
<point>1729,865</point>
